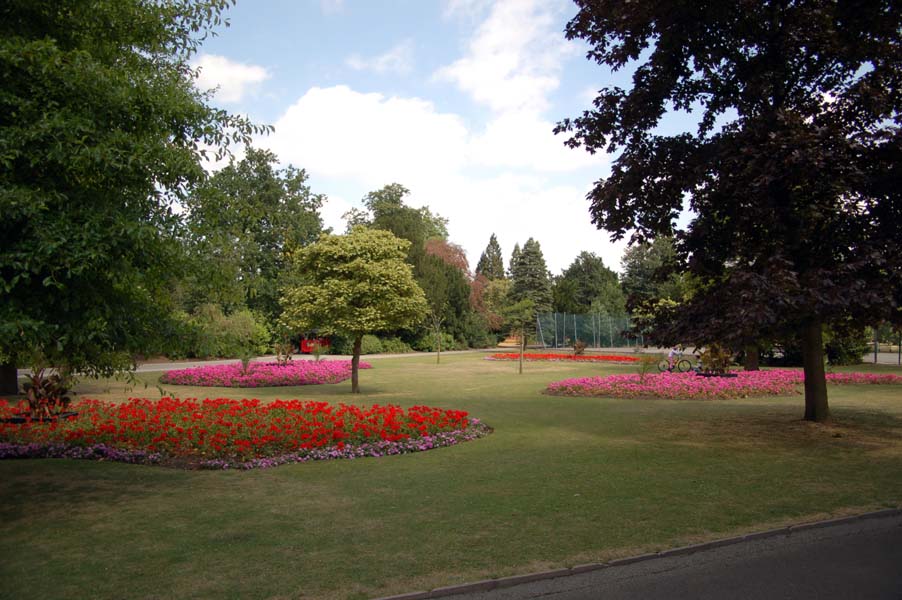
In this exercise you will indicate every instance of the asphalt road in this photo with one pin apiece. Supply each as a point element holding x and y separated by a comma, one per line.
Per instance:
<point>857,560</point>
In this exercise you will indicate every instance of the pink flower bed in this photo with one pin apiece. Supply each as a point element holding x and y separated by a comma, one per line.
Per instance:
<point>304,372</point>
<point>778,382</point>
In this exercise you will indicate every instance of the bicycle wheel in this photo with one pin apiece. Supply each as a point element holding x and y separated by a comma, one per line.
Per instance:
<point>664,365</point>
<point>683,365</point>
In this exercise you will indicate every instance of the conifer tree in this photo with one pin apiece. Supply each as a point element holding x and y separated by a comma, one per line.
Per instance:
<point>515,261</point>
<point>530,277</point>
<point>491,263</point>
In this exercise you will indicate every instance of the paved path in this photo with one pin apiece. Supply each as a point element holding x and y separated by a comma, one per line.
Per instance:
<point>851,560</point>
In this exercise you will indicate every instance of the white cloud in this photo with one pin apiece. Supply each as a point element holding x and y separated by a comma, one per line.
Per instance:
<point>514,59</point>
<point>338,132</point>
<point>353,140</point>
<point>233,79</point>
<point>398,59</point>
<point>332,212</point>
<point>524,140</point>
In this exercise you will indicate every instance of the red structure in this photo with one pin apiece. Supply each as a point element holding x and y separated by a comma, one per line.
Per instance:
<point>307,344</point>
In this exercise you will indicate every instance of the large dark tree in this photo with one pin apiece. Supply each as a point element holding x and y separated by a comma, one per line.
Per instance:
<point>792,173</point>
<point>100,125</point>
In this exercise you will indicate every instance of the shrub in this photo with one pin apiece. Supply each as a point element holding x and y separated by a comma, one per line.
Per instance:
<point>427,342</point>
<point>579,347</point>
<point>209,333</point>
<point>846,346</point>
<point>395,345</point>
<point>370,344</point>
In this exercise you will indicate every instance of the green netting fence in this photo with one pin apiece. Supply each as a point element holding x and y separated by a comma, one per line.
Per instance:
<point>562,330</point>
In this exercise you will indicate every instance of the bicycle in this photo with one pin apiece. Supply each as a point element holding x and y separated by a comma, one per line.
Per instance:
<point>678,364</point>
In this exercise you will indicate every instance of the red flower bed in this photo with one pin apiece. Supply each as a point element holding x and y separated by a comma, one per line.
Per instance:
<point>227,432</point>
<point>566,357</point>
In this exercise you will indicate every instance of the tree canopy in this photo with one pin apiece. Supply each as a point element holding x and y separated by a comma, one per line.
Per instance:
<point>588,283</point>
<point>788,171</point>
<point>100,130</point>
<point>352,285</point>
<point>245,220</point>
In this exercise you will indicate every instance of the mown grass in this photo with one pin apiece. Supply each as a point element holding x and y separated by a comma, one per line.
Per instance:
<point>562,481</point>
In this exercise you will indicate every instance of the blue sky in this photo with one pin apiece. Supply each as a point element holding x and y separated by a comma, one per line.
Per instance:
<point>454,99</point>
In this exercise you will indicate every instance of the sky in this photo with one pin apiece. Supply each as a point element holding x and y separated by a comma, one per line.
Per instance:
<point>454,99</point>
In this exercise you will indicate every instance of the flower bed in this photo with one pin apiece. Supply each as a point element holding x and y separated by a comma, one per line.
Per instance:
<point>778,382</point>
<point>222,433</point>
<point>535,356</point>
<point>303,372</point>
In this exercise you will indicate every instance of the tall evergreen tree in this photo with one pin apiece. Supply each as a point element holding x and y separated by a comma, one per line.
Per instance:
<point>491,263</point>
<point>531,280</point>
<point>515,261</point>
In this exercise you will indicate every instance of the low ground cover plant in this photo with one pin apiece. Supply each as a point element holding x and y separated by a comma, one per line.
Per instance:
<point>223,433</point>
<point>778,382</point>
<point>256,374</point>
<point>537,356</point>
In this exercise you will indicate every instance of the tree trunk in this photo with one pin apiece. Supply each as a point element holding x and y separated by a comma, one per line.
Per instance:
<point>522,348</point>
<point>9,382</point>
<point>355,363</point>
<point>816,407</point>
<point>751,357</point>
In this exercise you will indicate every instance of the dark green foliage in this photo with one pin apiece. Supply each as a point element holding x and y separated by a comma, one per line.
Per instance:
<point>99,128</point>
<point>491,263</point>
<point>530,277</point>
<point>369,344</point>
<point>208,333</point>
<point>792,174</point>
<point>649,272</point>
<point>393,345</point>
<point>587,285</point>
<point>846,345</point>
<point>243,222</point>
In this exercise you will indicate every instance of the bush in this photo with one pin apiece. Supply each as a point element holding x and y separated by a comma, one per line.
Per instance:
<point>427,342</point>
<point>395,345</point>
<point>846,346</point>
<point>370,344</point>
<point>209,333</point>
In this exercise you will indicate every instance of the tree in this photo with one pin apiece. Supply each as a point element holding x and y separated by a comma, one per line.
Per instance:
<point>491,263</point>
<point>100,125</point>
<point>519,317</point>
<point>649,272</point>
<point>515,261</point>
<point>352,285</point>
<point>530,277</point>
<point>246,219</point>
<point>789,174</point>
<point>585,282</point>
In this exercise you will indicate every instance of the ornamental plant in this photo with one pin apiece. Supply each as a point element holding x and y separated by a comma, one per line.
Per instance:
<point>779,382</point>
<point>222,432</point>
<point>256,374</point>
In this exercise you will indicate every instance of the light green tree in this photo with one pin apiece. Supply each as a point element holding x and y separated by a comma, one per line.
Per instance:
<point>352,285</point>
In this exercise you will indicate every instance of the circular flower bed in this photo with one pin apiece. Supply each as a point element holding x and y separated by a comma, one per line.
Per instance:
<point>534,356</point>
<point>303,372</point>
<point>222,433</point>
<point>778,382</point>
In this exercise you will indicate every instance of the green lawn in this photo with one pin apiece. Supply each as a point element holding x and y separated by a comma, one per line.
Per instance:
<point>562,481</point>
